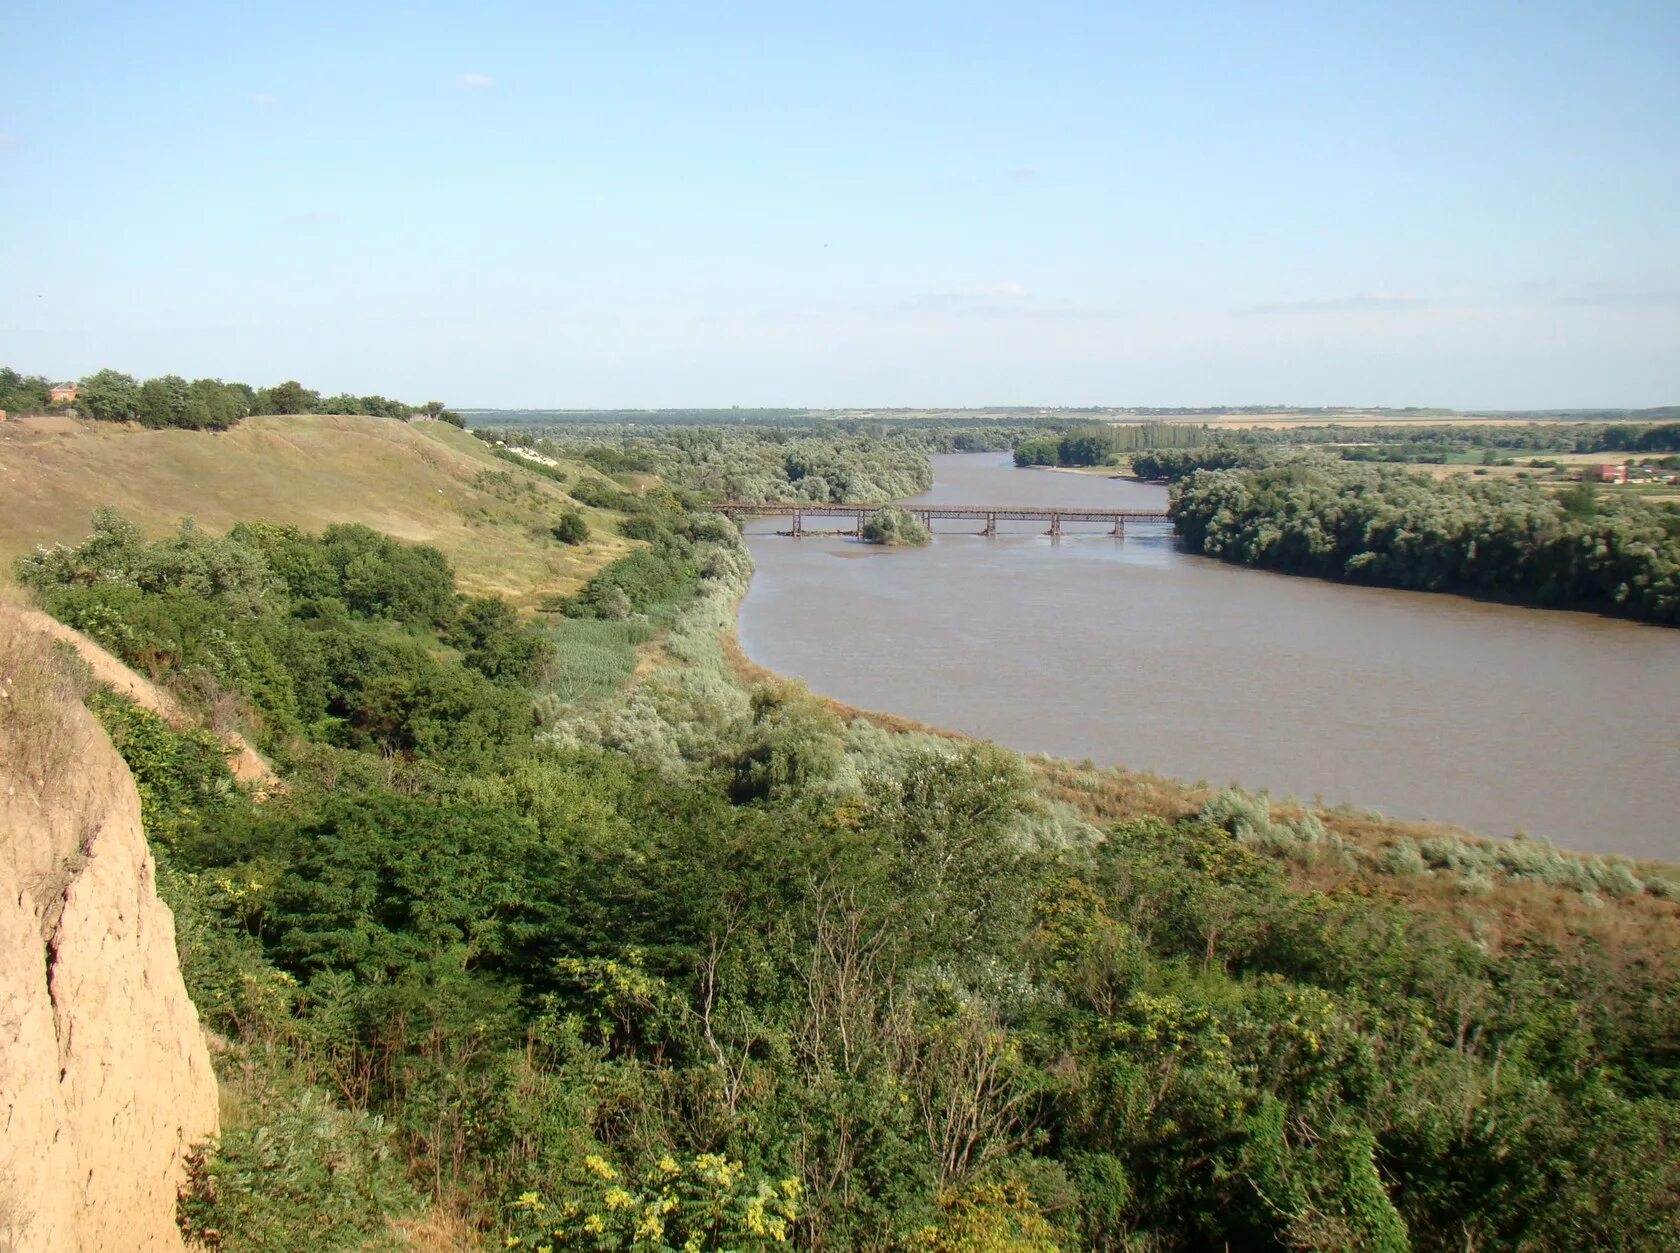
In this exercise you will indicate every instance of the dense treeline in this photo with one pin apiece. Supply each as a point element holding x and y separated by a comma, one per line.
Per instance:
<point>1382,526</point>
<point>1423,440</point>
<point>1106,445</point>
<point>201,404</point>
<point>733,464</point>
<point>703,968</point>
<point>1172,464</point>
<point>594,422</point>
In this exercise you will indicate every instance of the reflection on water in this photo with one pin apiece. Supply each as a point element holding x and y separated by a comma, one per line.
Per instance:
<point>1130,651</point>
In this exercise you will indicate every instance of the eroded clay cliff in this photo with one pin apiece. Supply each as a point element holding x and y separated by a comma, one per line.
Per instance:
<point>105,1080</point>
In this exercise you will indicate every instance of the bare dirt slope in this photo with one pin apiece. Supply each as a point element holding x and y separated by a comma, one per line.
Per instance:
<point>105,1080</point>
<point>424,482</point>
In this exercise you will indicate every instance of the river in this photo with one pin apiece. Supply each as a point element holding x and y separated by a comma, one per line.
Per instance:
<point>1129,651</point>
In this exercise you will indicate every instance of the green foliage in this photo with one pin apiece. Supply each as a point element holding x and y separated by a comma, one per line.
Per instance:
<point>709,968</point>
<point>896,528</point>
<point>1106,445</point>
<point>494,643</point>
<point>201,405</point>
<point>571,527</point>
<point>1393,529</point>
<point>647,581</point>
<point>591,657</point>
<point>295,1173</point>
<point>23,393</point>
<point>182,775</point>
<point>109,396</point>
<point>754,464</point>
<point>1172,464</point>
<point>988,1218</point>
<point>704,1202</point>
<point>338,637</point>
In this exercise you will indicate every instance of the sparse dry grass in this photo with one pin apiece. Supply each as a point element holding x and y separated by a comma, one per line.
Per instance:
<point>437,1231</point>
<point>41,689</point>
<point>425,483</point>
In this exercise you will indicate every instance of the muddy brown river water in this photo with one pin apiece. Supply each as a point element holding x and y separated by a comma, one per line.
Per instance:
<point>1130,651</point>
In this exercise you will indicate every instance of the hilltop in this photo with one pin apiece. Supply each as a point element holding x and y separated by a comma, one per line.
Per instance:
<point>424,482</point>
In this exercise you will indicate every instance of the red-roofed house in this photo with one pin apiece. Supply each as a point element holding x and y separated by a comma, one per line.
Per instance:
<point>64,394</point>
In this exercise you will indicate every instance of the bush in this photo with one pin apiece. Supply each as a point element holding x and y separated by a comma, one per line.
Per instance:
<point>571,528</point>
<point>295,1173</point>
<point>896,527</point>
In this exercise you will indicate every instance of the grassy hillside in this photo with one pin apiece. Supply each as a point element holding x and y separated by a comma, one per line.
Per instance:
<point>426,483</point>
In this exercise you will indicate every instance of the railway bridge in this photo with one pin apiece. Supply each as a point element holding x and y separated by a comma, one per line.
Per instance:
<point>988,515</point>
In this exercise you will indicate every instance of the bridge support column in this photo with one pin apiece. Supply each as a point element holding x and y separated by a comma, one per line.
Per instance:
<point>1119,526</point>
<point>991,524</point>
<point>798,524</point>
<point>1056,525</point>
<point>857,529</point>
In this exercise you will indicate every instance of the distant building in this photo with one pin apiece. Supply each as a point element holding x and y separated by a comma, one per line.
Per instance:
<point>64,394</point>
<point>1604,474</point>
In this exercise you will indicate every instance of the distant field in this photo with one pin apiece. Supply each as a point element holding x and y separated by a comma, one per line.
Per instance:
<point>1285,422</point>
<point>425,482</point>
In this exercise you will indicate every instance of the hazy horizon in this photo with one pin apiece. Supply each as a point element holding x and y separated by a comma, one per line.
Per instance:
<point>650,205</point>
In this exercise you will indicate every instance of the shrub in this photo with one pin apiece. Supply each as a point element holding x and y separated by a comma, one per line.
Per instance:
<point>295,1173</point>
<point>571,528</point>
<point>896,527</point>
<point>703,1202</point>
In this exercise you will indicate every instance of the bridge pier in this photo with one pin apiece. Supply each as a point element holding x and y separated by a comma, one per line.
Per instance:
<point>798,524</point>
<point>1056,526</point>
<point>991,525</point>
<point>1119,526</point>
<point>857,529</point>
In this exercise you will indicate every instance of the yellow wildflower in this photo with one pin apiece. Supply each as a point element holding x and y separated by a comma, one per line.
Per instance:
<point>600,1167</point>
<point>650,1227</point>
<point>617,1198</point>
<point>595,1223</point>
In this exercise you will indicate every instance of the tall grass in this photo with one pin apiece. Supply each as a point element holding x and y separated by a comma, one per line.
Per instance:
<point>593,657</point>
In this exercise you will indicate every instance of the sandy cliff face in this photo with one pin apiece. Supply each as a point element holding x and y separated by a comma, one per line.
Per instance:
<point>104,1076</point>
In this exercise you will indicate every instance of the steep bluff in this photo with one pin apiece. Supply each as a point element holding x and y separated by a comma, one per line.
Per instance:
<point>105,1080</point>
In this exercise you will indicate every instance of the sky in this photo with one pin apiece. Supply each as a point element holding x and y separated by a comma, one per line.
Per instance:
<point>630,204</point>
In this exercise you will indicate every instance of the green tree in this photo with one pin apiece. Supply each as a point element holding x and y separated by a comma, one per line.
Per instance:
<point>896,527</point>
<point>571,528</point>
<point>162,402</point>
<point>288,397</point>
<point>109,396</point>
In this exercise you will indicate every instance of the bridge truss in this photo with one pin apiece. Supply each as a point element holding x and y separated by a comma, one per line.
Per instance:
<point>988,515</point>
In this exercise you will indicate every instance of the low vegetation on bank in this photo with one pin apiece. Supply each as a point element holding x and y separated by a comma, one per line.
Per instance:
<point>689,962</point>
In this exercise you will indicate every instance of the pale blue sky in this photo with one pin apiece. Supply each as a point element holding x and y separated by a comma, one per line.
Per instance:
<point>624,204</point>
